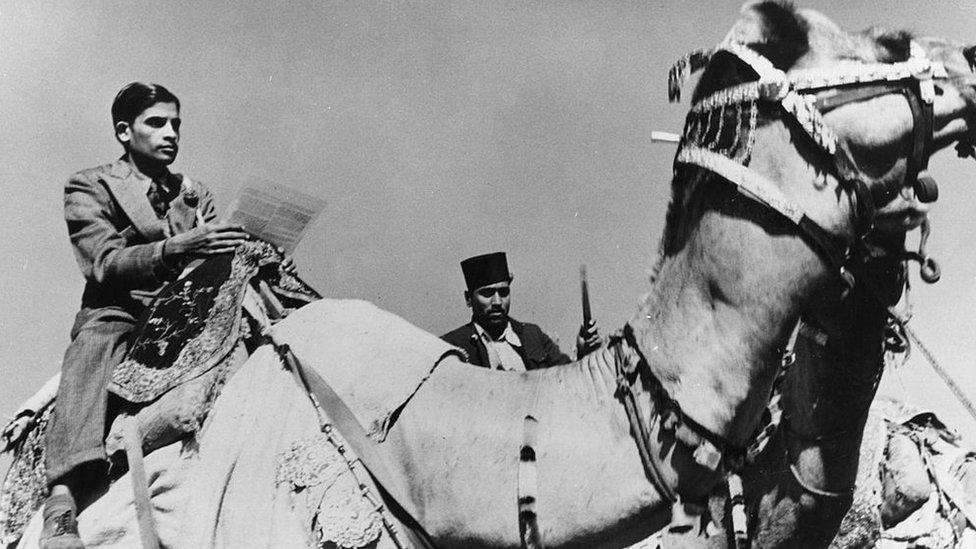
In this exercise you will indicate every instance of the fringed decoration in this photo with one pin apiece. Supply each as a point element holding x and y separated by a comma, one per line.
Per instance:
<point>727,130</point>
<point>683,68</point>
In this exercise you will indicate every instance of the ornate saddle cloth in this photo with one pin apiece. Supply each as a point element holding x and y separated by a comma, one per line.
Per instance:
<point>195,322</point>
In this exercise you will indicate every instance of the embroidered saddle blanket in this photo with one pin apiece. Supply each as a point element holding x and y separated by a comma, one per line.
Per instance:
<point>195,322</point>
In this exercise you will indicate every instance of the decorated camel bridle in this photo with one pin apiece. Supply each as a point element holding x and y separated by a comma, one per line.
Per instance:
<point>805,95</point>
<point>714,144</point>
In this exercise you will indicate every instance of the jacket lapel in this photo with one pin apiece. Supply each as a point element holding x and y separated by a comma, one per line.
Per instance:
<point>127,189</point>
<point>478,347</point>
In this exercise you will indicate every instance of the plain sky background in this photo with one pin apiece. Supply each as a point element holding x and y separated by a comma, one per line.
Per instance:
<point>435,131</point>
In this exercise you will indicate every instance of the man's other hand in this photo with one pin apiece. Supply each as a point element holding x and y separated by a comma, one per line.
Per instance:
<point>587,340</point>
<point>288,264</point>
<point>205,240</point>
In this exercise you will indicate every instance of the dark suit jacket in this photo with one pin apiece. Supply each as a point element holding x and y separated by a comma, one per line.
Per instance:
<point>117,237</point>
<point>538,351</point>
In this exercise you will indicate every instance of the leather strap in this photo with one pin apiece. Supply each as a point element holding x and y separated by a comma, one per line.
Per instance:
<point>920,105</point>
<point>375,461</point>
<point>764,191</point>
<point>748,181</point>
<point>334,414</point>
<point>140,485</point>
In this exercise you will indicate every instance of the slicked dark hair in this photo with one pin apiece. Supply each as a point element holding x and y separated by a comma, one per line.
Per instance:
<point>137,97</point>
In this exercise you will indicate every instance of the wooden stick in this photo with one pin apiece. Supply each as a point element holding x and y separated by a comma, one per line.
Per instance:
<point>585,293</point>
<point>666,137</point>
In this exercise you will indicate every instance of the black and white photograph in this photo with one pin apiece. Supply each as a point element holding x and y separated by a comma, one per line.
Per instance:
<point>509,274</point>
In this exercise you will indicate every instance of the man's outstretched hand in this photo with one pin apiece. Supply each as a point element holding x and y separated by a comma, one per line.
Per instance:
<point>205,240</point>
<point>588,339</point>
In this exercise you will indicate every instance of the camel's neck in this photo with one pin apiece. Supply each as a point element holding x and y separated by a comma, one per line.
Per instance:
<point>727,298</point>
<point>712,357</point>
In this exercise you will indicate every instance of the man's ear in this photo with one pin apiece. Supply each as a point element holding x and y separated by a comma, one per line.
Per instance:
<point>467,298</point>
<point>123,131</point>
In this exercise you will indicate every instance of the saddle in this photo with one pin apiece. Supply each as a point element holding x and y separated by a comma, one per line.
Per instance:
<point>188,343</point>
<point>196,322</point>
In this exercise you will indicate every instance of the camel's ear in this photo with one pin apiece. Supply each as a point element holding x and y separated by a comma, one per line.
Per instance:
<point>970,54</point>
<point>773,29</point>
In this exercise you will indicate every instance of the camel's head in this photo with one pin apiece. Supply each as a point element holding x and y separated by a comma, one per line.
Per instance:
<point>878,129</point>
<point>841,123</point>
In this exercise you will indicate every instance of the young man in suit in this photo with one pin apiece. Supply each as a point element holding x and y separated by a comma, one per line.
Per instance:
<point>495,340</point>
<point>133,225</point>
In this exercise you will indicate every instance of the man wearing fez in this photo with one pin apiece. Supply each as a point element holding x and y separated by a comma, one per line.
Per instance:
<point>493,339</point>
<point>133,224</point>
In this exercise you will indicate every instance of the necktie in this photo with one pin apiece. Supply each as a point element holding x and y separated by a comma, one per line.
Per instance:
<point>158,197</point>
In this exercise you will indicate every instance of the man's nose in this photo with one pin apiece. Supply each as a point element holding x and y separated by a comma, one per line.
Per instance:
<point>496,298</point>
<point>170,131</point>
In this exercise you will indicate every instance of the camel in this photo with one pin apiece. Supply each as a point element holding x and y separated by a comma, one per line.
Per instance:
<point>770,192</point>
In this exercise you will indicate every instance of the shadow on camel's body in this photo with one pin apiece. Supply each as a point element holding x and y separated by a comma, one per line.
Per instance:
<point>801,487</point>
<point>814,484</point>
<point>733,276</point>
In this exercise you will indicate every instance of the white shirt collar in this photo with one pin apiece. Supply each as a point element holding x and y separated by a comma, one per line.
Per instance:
<point>508,335</point>
<point>503,353</point>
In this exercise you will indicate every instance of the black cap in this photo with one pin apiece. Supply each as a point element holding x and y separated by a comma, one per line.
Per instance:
<point>482,270</point>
